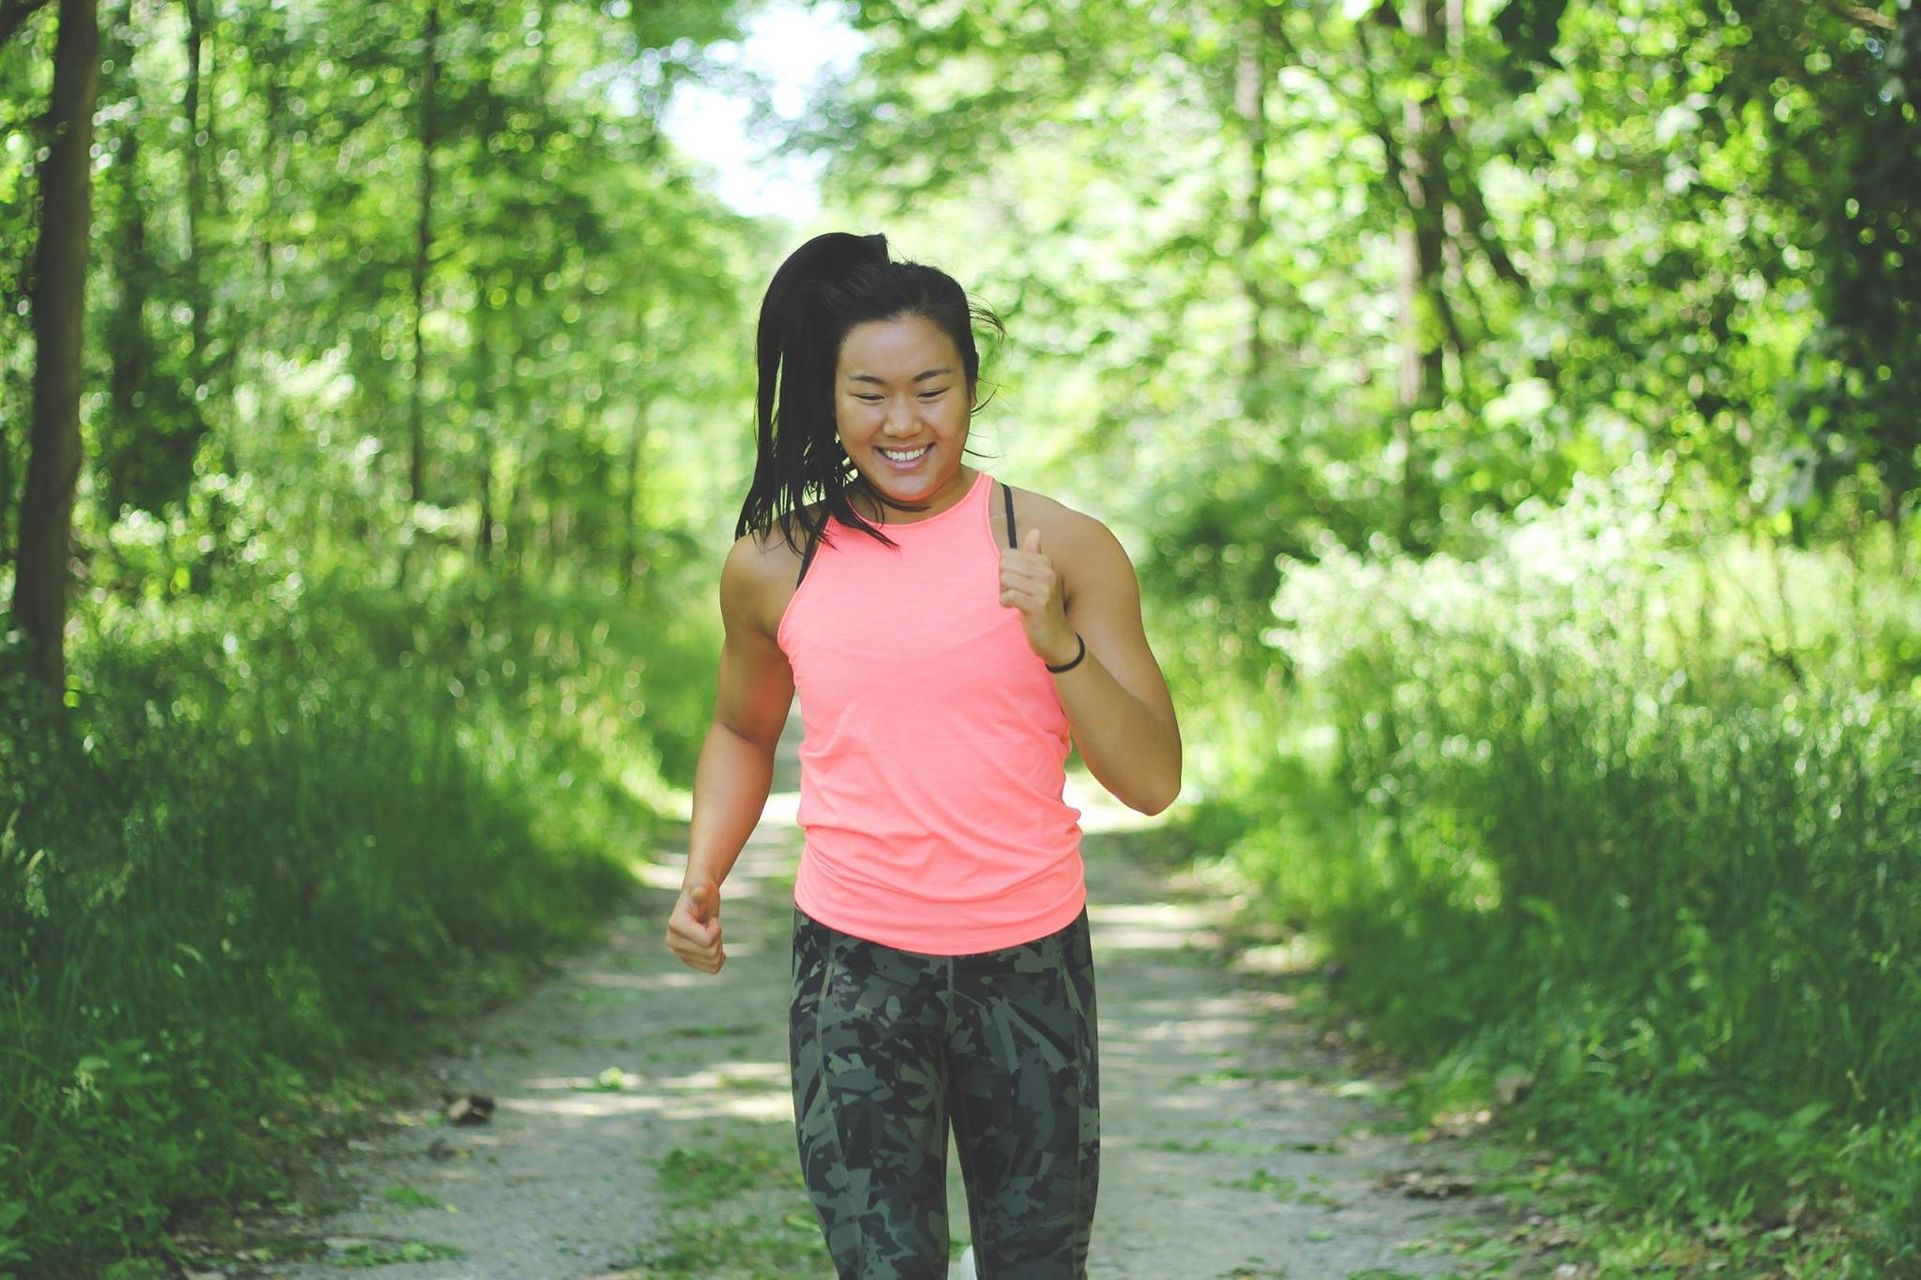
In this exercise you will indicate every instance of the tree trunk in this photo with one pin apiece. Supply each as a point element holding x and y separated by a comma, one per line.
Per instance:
<point>484,534</point>
<point>59,308</point>
<point>132,356</point>
<point>519,521</point>
<point>423,249</point>
<point>14,13</point>
<point>1413,164</point>
<point>481,361</point>
<point>630,556</point>
<point>546,524</point>
<point>195,276</point>
<point>6,498</point>
<point>1250,104</point>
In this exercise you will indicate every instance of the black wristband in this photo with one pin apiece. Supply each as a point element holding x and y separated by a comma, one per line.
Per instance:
<point>1077,657</point>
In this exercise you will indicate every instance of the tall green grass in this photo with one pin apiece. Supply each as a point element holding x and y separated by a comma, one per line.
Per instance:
<point>1635,822</point>
<point>288,827</point>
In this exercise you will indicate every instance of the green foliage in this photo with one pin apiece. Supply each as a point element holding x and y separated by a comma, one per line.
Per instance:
<point>411,1197</point>
<point>385,1255</point>
<point>282,832</point>
<point>1635,822</point>
<point>1680,231</point>
<point>699,1176</point>
<point>253,302</point>
<point>708,1231</point>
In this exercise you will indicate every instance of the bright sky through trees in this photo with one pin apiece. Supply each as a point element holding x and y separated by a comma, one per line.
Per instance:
<point>789,47</point>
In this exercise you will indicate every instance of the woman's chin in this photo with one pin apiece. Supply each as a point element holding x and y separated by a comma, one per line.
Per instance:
<point>914,486</point>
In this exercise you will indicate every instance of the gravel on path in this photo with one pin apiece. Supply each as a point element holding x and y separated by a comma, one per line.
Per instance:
<point>1234,1144</point>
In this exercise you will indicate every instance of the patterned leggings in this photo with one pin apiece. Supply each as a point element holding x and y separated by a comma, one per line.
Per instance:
<point>888,1046</point>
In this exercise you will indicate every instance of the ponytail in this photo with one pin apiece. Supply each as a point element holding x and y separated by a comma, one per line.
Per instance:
<point>824,288</point>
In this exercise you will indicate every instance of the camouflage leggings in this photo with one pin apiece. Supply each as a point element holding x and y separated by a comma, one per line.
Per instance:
<point>888,1046</point>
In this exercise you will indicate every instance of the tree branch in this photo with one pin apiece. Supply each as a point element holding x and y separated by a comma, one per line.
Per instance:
<point>15,12</point>
<point>1862,14</point>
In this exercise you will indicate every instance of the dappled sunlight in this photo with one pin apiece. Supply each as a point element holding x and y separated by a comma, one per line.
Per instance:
<point>755,1090</point>
<point>1145,926</point>
<point>769,1107</point>
<point>752,1089</point>
<point>659,875</point>
<point>781,811</point>
<point>1100,811</point>
<point>1205,1030</point>
<point>669,978</point>
<point>1298,955</point>
<point>588,1104</point>
<point>735,1075</point>
<point>615,981</point>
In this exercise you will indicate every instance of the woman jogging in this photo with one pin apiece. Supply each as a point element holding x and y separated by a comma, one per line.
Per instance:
<point>946,634</point>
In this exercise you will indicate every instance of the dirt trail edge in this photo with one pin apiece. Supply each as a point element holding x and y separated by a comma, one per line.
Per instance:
<point>1233,1144</point>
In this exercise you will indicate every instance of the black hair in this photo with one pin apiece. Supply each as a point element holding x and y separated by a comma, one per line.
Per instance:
<point>825,288</point>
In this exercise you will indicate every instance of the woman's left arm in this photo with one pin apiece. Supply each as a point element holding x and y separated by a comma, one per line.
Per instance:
<point>1116,698</point>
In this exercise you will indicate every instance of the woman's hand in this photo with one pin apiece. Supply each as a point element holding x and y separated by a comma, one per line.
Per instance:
<point>693,930</point>
<point>1030,583</point>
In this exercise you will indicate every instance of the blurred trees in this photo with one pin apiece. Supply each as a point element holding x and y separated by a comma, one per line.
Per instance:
<point>428,276</point>
<point>373,283</point>
<point>1377,267</point>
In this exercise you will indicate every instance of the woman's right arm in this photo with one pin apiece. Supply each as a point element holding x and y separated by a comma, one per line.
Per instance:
<point>736,766</point>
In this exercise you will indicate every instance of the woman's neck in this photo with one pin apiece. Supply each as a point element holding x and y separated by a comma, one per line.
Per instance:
<point>878,508</point>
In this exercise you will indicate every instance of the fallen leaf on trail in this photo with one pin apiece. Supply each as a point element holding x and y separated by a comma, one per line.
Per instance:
<point>1511,1087</point>
<point>473,1108</point>
<point>1428,1184</point>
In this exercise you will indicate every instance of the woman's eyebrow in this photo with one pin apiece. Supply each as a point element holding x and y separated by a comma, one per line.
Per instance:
<point>922,376</point>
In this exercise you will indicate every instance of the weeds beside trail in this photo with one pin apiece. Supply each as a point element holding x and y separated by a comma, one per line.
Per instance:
<point>1615,848</point>
<point>283,838</point>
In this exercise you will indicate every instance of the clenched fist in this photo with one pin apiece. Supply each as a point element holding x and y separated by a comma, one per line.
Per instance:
<point>693,930</point>
<point>1031,583</point>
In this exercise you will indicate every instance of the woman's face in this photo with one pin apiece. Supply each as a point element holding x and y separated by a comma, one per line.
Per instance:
<point>901,406</point>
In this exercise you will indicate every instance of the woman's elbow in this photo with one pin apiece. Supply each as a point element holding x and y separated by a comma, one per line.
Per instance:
<point>1156,798</point>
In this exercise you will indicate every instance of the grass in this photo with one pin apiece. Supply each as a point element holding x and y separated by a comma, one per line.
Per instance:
<point>1639,895</point>
<point>737,1207</point>
<point>387,1253</point>
<point>1286,1189</point>
<point>283,841</point>
<point>699,1177</point>
<point>410,1198</point>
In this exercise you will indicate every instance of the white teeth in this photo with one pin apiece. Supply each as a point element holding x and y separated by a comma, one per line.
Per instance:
<point>906,457</point>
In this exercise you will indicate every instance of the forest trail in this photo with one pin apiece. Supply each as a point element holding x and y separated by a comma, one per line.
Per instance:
<point>1234,1145</point>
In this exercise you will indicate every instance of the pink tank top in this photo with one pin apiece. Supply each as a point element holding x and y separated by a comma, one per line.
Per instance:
<point>931,767</point>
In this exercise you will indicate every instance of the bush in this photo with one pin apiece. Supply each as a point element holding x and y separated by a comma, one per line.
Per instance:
<point>1596,815</point>
<point>277,835</point>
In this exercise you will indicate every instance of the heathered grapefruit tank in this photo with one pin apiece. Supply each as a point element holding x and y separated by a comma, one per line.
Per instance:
<point>932,762</point>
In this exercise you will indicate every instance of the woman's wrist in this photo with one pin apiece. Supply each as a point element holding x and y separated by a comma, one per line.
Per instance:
<point>1069,664</point>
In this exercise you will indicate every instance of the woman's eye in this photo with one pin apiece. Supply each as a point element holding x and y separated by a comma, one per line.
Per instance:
<point>868,399</point>
<point>933,395</point>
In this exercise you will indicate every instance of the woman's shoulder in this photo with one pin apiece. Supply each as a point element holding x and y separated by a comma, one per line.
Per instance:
<point>1083,548</point>
<point>760,571</point>
<point>1054,518</point>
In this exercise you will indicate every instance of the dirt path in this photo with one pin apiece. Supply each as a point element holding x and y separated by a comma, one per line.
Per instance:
<point>643,1125</point>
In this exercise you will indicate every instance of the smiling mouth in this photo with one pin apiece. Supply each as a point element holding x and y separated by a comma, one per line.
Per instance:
<point>893,455</point>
